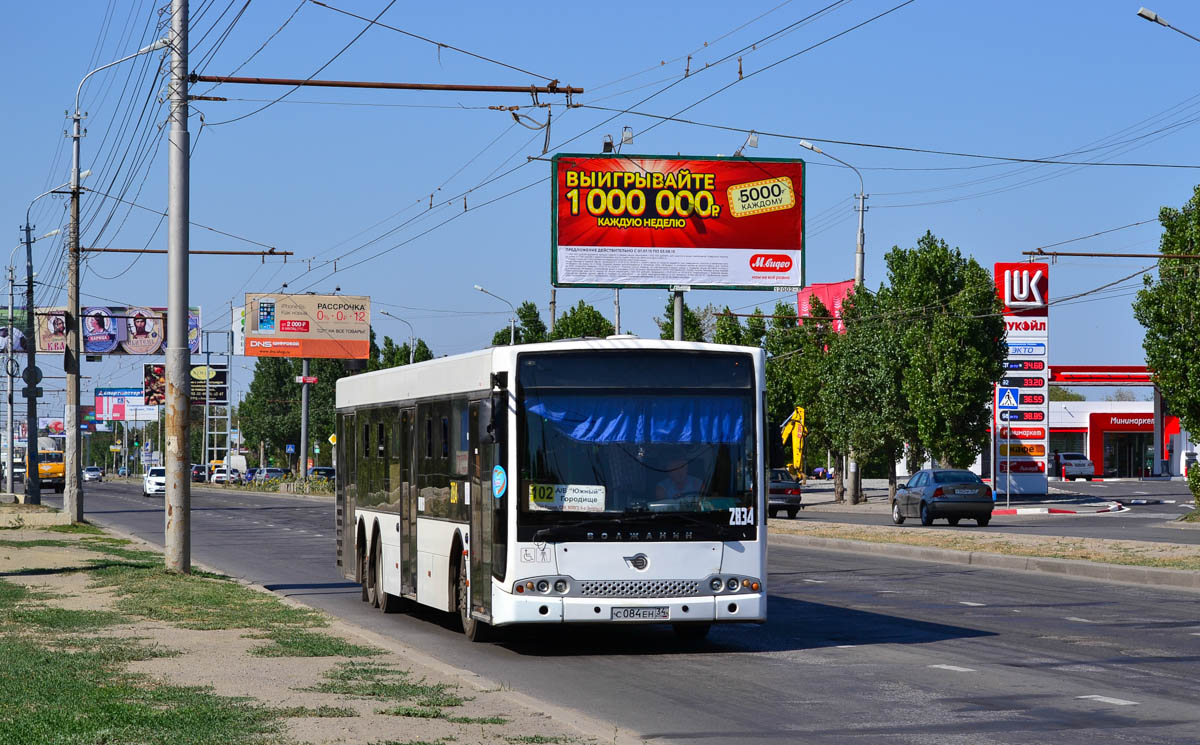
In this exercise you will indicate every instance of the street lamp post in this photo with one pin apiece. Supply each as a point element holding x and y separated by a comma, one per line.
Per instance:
<point>859,264</point>
<point>512,321</point>
<point>859,256</point>
<point>412,344</point>
<point>1153,17</point>
<point>73,497</point>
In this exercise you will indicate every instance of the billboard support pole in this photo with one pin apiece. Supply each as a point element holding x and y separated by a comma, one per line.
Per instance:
<point>8,458</point>
<point>304,420</point>
<point>177,532</point>
<point>1008,467</point>
<point>617,310</point>
<point>679,315</point>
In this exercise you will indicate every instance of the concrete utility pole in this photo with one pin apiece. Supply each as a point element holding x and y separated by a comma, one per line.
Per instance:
<point>859,264</point>
<point>553,307</point>
<point>616,310</point>
<point>678,315</point>
<point>178,500</point>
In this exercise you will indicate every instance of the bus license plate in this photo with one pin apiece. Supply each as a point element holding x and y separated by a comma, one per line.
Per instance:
<point>656,613</point>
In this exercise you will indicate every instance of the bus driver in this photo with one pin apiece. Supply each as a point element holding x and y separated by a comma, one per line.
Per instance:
<point>678,483</point>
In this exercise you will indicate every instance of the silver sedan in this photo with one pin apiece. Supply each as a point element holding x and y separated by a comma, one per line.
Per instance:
<point>949,493</point>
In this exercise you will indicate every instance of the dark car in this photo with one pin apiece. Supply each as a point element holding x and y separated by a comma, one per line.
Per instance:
<point>248,476</point>
<point>322,472</point>
<point>199,474</point>
<point>784,493</point>
<point>949,493</point>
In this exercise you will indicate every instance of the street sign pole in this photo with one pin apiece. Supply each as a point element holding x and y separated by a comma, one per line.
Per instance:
<point>1008,466</point>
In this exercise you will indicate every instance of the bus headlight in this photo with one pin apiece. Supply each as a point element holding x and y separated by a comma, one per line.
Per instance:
<point>560,585</point>
<point>543,585</point>
<point>732,584</point>
<point>716,584</point>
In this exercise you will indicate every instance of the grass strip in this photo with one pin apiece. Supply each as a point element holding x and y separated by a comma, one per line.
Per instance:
<point>75,528</point>
<point>381,682</point>
<point>320,711</point>
<point>12,593</point>
<point>62,697</point>
<point>63,619</point>
<point>198,600</point>
<point>1128,553</point>
<point>293,642</point>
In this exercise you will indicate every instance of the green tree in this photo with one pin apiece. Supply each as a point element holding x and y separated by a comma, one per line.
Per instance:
<point>693,327</point>
<point>270,412</point>
<point>1058,393</point>
<point>530,328</point>
<point>580,321</point>
<point>756,329</point>
<point>951,343</point>
<point>1169,309</point>
<point>866,409</point>
<point>728,330</point>
<point>797,358</point>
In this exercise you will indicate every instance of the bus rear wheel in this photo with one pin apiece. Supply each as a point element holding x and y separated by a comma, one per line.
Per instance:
<point>367,576</point>
<point>473,628</point>
<point>384,600</point>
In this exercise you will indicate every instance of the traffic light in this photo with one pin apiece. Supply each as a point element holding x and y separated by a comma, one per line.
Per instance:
<point>136,444</point>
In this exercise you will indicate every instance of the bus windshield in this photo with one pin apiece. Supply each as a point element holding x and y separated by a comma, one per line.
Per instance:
<point>621,435</point>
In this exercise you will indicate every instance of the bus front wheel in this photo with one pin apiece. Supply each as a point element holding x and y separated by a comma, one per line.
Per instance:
<point>473,628</point>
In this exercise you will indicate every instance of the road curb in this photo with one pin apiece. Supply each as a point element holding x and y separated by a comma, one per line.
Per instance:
<point>1175,579</point>
<point>1108,507</point>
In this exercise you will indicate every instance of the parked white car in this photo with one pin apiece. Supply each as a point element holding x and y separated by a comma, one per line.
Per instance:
<point>1075,466</point>
<point>154,483</point>
<point>224,476</point>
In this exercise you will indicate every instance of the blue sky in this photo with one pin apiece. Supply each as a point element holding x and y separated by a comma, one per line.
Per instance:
<point>325,171</point>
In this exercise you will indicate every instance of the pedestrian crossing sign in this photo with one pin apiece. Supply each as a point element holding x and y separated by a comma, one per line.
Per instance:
<point>1006,398</point>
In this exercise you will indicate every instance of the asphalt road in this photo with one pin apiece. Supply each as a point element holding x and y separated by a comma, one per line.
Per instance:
<point>1141,522</point>
<point>858,649</point>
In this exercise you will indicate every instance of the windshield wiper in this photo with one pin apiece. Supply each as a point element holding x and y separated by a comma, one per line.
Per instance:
<point>722,531</point>
<point>557,531</point>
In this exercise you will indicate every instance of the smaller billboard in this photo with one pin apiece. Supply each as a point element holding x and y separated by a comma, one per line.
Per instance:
<point>308,326</point>
<point>112,403</point>
<point>208,384</point>
<point>831,294</point>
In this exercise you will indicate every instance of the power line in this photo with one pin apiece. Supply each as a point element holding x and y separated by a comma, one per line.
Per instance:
<point>440,45</point>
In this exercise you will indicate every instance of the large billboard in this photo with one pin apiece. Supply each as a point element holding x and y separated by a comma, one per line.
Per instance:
<point>209,384</point>
<point>113,330</point>
<point>1021,405</point>
<point>18,330</point>
<point>677,221</point>
<point>308,326</point>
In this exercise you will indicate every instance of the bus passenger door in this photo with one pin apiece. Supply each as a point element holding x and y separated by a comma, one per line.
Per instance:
<point>482,458</point>
<point>408,503</point>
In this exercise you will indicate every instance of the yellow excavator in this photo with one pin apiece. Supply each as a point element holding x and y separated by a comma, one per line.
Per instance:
<point>794,429</point>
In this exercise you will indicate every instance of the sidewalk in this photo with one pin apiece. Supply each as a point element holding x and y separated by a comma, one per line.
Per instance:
<point>819,497</point>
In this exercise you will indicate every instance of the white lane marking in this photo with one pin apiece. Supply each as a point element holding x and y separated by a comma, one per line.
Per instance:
<point>889,592</point>
<point>1141,492</point>
<point>816,581</point>
<point>1108,700</point>
<point>846,646</point>
<point>953,668</point>
<point>968,602</point>
<point>1196,633</point>
<point>1077,619</point>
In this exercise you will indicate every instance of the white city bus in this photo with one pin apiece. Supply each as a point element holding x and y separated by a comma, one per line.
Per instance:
<point>594,481</point>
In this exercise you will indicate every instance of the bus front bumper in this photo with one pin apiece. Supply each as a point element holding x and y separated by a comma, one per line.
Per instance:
<point>734,607</point>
